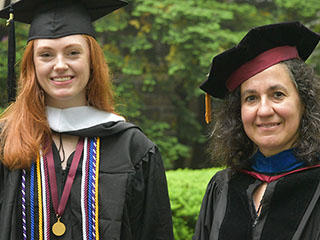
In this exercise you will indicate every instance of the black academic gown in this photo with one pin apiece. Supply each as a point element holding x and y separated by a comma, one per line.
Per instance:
<point>133,196</point>
<point>290,209</point>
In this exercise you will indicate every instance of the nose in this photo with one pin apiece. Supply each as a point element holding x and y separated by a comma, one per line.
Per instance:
<point>265,108</point>
<point>60,64</point>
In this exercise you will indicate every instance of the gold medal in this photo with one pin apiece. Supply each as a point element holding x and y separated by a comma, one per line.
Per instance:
<point>58,228</point>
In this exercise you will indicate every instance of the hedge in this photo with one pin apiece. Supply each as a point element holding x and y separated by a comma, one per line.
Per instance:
<point>186,190</point>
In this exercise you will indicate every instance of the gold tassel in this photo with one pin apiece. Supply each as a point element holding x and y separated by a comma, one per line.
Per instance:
<point>208,109</point>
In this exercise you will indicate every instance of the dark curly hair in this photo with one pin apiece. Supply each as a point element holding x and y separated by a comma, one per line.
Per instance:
<point>229,144</point>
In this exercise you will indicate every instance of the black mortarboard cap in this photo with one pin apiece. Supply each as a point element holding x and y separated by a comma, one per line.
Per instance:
<point>53,19</point>
<point>59,18</point>
<point>273,40</point>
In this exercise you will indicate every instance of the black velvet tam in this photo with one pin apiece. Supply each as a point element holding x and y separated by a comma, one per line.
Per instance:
<point>59,18</point>
<point>257,41</point>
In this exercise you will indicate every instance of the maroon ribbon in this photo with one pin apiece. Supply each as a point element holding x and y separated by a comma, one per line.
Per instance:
<point>59,207</point>
<point>268,179</point>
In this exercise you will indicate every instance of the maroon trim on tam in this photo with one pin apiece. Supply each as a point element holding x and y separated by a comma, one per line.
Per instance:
<point>260,63</point>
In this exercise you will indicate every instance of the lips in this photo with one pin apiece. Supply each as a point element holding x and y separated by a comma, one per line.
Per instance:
<point>268,125</point>
<point>61,79</point>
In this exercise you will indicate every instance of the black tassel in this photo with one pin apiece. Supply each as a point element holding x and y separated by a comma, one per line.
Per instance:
<point>11,81</point>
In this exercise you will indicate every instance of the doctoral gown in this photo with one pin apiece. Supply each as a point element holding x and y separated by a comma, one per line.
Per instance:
<point>290,208</point>
<point>133,196</point>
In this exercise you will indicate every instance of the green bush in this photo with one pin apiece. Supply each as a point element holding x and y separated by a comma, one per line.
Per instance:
<point>186,190</point>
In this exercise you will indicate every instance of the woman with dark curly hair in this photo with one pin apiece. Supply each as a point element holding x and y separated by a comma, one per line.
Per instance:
<point>266,129</point>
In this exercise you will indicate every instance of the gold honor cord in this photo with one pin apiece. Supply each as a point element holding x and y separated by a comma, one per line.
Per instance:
<point>39,199</point>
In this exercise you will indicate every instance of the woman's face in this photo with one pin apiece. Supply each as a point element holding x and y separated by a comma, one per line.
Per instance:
<point>63,69</point>
<point>271,110</point>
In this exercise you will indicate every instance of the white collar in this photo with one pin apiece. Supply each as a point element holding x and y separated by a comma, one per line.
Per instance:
<point>77,118</point>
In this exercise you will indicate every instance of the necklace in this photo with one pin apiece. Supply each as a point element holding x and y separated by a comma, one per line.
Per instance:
<point>59,228</point>
<point>61,148</point>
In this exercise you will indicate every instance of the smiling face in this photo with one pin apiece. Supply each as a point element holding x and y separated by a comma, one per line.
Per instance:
<point>271,110</point>
<point>63,69</point>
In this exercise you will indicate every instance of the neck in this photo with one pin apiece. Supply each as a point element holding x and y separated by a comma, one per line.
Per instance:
<point>66,144</point>
<point>66,103</point>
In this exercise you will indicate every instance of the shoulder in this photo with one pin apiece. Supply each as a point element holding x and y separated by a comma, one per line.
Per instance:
<point>133,132</point>
<point>221,178</point>
<point>218,186</point>
<point>130,135</point>
<point>124,140</point>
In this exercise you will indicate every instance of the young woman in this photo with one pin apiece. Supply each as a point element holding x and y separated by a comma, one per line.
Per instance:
<point>266,130</point>
<point>71,168</point>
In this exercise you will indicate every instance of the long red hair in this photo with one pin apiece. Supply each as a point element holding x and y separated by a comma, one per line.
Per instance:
<point>24,125</point>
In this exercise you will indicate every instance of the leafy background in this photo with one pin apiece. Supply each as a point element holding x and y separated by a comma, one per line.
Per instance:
<point>159,53</point>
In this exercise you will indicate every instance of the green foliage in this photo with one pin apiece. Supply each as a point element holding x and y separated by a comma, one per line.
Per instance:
<point>128,101</point>
<point>170,148</point>
<point>186,191</point>
<point>304,9</point>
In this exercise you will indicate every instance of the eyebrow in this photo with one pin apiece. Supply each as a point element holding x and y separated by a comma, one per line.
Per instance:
<point>277,86</point>
<point>271,88</point>
<point>248,91</point>
<point>44,47</point>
